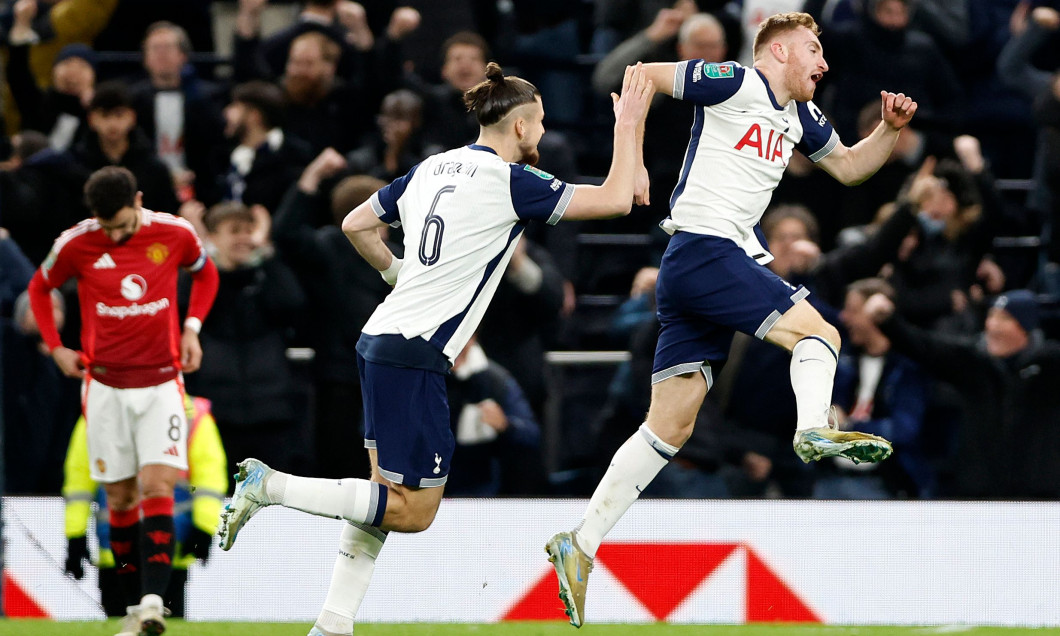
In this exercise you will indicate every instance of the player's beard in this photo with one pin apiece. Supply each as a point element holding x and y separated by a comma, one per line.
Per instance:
<point>530,156</point>
<point>797,80</point>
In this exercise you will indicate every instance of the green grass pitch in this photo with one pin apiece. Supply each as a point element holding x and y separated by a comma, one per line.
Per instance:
<point>14,627</point>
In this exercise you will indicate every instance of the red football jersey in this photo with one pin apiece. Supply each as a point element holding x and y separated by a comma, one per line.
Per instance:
<point>130,331</point>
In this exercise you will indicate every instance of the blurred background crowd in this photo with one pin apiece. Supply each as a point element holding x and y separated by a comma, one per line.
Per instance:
<point>264,122</point>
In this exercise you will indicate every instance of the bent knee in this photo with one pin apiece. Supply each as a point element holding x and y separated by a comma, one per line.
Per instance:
<point>830,335</point>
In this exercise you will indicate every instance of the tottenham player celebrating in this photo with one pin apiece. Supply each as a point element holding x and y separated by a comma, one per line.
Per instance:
<point>712,280</point>
<point>463,211</point>
<point>126,260</point>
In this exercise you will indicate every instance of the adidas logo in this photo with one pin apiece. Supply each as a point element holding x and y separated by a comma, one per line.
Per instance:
<point>104,262</point>
<point>172,450</point>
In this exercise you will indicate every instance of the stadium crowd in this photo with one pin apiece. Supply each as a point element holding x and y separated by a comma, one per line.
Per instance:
<point>263,123</point>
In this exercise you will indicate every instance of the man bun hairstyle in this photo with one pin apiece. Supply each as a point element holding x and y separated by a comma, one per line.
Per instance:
<point>108,190</point>
<point>492,99</point>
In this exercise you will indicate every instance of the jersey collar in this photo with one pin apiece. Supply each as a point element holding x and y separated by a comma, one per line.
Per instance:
<point>481,147</point>
<point>769,91</point>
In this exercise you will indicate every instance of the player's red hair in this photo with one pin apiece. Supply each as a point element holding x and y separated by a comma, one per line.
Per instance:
<point>774,25</point>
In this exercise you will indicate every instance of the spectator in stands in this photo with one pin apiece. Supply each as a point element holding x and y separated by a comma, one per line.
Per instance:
<point>49,26</point>
<point>881,50</point>
<point>15,272</point>
<point>60,110</point>
<point>619,20</point>
<point>860,205</point>
<point>372,65</point>
<point>40,404</point>
<point>498,440</point>
<point>266,160</point>
<point>688,35</point>
<point>881,392</point>
<point>115,140</point>
<point>793,235</point>
<point>197,495</point>
<point>40,194</point>
<point>448,124</point>
<point>245,372</point>
<point>256,58</point>
<point>1042,88</point>
<point>322,109</point>
<point>343,290</point>
<point>177,111</point>
<point>1007,376</point>
<point>518,325</point>
<point>945,261</point>
<point>1047,112</point>
<point>398,145</point>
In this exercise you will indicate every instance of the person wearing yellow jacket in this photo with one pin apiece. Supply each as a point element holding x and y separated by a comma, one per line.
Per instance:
<point>197,500</point>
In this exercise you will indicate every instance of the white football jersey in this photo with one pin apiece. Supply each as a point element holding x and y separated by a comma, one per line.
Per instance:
<point>463,212</point>
<point>740,144</point>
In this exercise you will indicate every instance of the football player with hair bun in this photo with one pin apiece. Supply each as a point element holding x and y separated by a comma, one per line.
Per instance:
<point>463,212</point>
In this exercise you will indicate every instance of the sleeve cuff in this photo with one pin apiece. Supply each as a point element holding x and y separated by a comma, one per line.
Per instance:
<point>561,205</point>
<point>827,149</point>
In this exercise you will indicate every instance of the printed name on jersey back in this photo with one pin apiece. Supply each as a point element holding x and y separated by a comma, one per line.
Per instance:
<point>456,167</point>
<point>769,150</point>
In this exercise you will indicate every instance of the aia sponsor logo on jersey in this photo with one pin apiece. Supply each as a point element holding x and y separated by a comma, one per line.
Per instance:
<point>133,287</point>
<point>157,253</point>
<point>766,147</point>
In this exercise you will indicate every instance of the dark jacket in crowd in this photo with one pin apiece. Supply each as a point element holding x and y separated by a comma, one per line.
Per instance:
<point>40,199</point>
<point>342,288</point>
<point>152,176</point>
<point>1007,446</point>
<point>898,408</point>
<point>339,120</point>
<point>864,56</point>
<point>245,373</point>
<point>507,464</point>
<point>273,171</point>
<point>446,121</point>
<point>203,126</point>
<point>518,325</point>
<point>40,109</point>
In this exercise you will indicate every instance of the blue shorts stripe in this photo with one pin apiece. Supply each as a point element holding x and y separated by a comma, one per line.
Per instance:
<point>406,417</point>
<point>708,289</point>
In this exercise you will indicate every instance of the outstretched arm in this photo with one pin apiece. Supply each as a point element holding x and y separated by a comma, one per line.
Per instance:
<point>615,196</point>
<point>852,165</point>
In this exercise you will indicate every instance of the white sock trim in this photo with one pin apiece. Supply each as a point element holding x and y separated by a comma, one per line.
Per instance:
<point>661,447</point>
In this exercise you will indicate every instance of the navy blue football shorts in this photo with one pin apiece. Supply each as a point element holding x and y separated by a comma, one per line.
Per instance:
<point>708,289</point>
<point>406,419</point>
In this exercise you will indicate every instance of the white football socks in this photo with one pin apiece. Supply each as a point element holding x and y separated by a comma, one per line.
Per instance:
<point>634,465</point>
<point>355,500</point>
<point>813,363</point>
<point>359,546</point>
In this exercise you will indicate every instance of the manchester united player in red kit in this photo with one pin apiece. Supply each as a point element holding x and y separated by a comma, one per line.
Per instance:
<point>126,259</point>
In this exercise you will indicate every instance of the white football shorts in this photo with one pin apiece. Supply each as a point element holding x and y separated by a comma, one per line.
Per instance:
<point>130,428</point>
